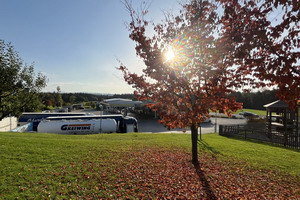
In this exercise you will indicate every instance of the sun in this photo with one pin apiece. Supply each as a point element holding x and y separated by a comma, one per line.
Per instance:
<point>169,54</point>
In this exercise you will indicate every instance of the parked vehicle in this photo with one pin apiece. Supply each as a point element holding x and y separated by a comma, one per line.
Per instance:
<point>36,117</point>
<point>237,116</point>
<point>91,126</point>
<point>125,124</point>
<point>249,114</point>
<point>208,120</point>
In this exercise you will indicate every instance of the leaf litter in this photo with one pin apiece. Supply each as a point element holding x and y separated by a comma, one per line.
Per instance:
<point>156,173</point>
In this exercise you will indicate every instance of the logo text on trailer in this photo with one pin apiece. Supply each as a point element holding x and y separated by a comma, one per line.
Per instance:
<point>75,127</point>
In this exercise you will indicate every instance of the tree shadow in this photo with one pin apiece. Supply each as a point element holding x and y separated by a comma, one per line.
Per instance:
<point>205,183</point>
<point>205,146</point>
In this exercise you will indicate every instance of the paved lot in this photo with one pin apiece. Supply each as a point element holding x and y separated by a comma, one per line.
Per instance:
<point>152,125</point>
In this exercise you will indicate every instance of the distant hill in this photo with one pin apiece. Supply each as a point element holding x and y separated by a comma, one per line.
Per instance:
<point>253,100</point>
<point>50,98</point>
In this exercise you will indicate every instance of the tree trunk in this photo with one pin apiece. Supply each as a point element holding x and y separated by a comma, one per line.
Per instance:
<point>194,135</point>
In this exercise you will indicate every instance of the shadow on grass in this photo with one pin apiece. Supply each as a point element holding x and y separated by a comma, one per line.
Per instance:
<point>205,183</point>
<point>206,147</point>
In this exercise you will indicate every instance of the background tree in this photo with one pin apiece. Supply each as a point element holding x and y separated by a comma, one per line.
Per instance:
<point>72,99</point>
<point>48,100</point>
<point>265,43</point>
<point>35,104</point>
<point>19,85</point>
<point>58,99</point>
<point>185,74</point>
<point>256,100</point>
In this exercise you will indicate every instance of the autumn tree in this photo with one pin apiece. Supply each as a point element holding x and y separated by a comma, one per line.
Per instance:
<point>265,43</point>
<point>186,72</point>
<point>19,85</point>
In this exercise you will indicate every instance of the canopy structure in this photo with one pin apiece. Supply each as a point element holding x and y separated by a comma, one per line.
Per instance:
<point>119,102</point>
<point>116,105</point>
<point>281,121</point>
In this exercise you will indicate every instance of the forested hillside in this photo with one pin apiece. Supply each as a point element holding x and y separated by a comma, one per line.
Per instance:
<point>256,100</point>
<point>53,99</point>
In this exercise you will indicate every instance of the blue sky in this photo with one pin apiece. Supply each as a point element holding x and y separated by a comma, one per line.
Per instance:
<point>76,43</point>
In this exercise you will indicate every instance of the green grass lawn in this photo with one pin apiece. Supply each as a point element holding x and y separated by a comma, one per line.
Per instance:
<point>51,166</point>
<point>258,112</point>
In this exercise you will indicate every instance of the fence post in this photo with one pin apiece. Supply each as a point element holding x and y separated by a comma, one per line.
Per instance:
<point>220,129</point>
<point>200,133</point>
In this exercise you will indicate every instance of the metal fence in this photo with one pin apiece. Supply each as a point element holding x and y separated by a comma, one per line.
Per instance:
<point>290,139</point>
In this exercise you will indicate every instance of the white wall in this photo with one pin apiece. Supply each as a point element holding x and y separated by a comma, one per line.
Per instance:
<point>8,123</point>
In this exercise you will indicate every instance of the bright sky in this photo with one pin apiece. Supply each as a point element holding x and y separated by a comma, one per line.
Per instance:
<point>76,43</point>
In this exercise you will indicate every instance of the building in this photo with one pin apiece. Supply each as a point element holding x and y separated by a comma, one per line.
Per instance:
<point>116,105</point>
<point>282,123</point>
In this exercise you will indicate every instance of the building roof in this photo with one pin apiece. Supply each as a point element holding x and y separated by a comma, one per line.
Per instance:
<point>276,104</point>
<point>122,102</point>
<point>117,99</point>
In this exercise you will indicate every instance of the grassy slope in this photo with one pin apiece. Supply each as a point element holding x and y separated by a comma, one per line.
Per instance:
<point>28,159</point>
<point>256,154</point>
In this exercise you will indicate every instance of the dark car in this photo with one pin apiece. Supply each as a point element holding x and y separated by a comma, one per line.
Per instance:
<point>248,114</point>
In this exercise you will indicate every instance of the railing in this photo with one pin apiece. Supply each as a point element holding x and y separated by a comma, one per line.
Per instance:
<point>290,139</point>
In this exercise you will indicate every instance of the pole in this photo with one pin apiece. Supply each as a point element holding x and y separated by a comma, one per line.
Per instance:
<point>216,121</point>
<point>200,133</point>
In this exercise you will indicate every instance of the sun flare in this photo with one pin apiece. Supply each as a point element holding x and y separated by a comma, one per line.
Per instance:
<point>170,54</point>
